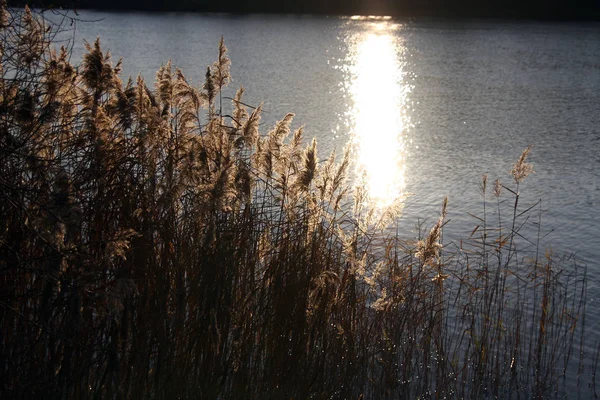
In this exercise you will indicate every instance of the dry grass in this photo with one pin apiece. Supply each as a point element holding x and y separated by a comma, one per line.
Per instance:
<point>155,244</point>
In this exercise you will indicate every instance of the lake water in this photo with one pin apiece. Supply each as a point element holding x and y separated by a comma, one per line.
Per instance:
<point>429,105</point>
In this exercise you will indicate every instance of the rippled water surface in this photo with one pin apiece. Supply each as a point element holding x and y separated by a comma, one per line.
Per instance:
<point>427,106</point>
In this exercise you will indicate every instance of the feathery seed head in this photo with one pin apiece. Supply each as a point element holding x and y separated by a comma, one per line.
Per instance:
<point>240,114</point>
<point>310,166</point>
<point>497,188</point>
<point>522,168</point>
<point>483,186</point>
<point>428,250</point>
<point>221,74</point>
<point>209,86</point>
<point>249,132</point>
<point>97,72</point>
<point>164,85</point>
<point>3,14</point>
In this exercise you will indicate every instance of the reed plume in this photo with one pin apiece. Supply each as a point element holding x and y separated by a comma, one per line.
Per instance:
<point>522,169</point>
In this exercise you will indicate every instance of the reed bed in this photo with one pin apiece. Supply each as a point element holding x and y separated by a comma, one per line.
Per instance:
<point>155,244</point>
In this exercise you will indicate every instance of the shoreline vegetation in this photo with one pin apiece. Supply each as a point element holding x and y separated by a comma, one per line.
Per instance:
<point>154,243</point>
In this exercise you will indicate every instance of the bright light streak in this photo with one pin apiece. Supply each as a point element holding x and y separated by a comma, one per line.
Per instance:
<point>378,121</point>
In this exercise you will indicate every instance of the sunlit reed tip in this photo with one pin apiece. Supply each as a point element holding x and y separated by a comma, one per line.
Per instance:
<point>497,187</point>
<point>522,169</point>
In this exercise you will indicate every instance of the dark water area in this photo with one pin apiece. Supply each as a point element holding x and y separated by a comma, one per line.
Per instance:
<point>532,9</point>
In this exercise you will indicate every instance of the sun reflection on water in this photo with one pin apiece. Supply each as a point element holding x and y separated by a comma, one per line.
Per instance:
<point>377,116</point>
